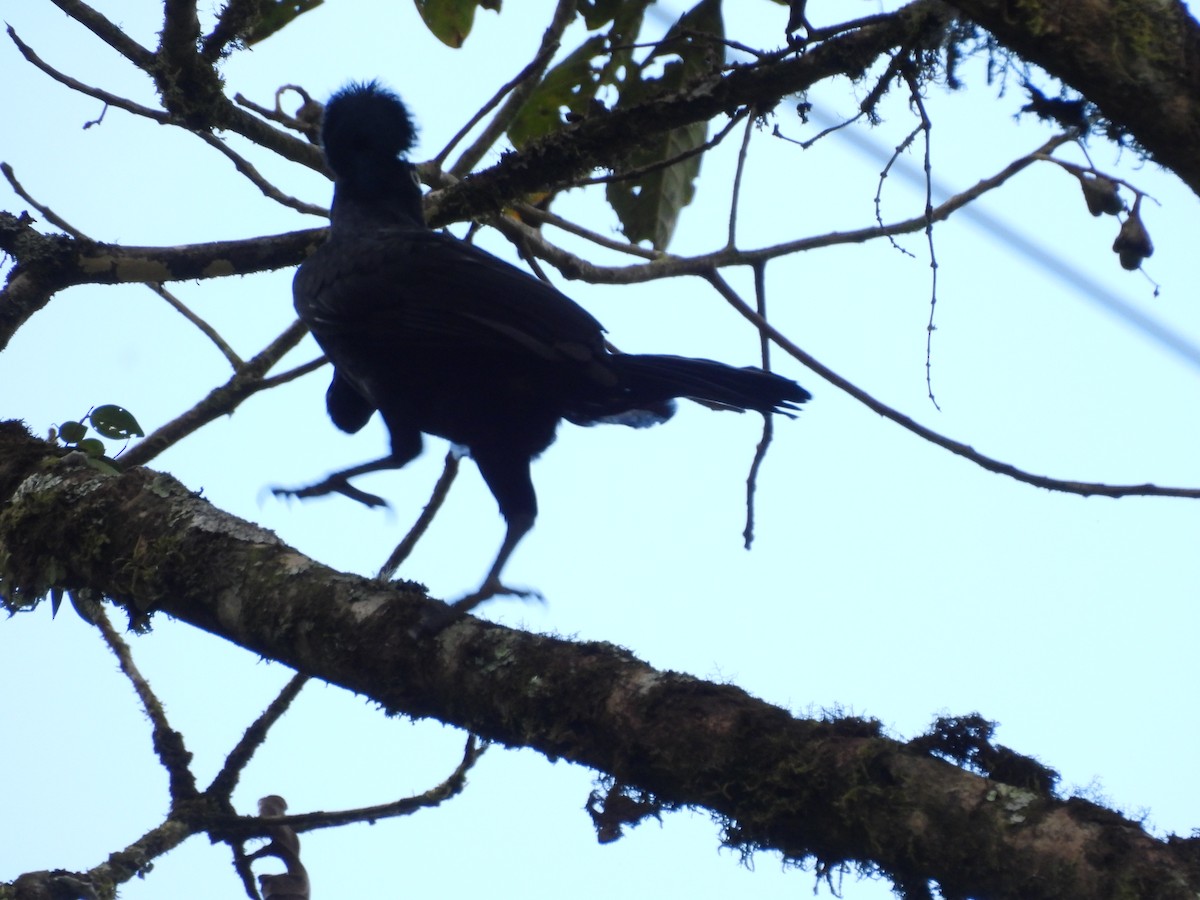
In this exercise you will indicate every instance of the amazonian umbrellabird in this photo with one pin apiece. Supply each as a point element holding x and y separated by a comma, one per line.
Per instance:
<point>443,338</point>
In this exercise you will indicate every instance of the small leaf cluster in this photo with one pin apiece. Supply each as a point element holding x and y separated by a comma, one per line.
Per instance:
<point>109,420</point>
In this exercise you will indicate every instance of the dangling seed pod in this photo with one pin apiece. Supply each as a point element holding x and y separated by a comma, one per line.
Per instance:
<point>1133,240</point>
<point>1101,195</point>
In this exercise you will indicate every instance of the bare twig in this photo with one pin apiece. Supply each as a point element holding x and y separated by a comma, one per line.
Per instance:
<point>760,451</point>
<point>743,151</point>
<point>667,265</point>
<point>246,382</point>
<point>545,217</point>
<point>926,127</point>
<point>226,780</point>
<point>1083,488</point>
<point>156,115</point>
<point>168,743</point>
<point>292,374</point>
<point>627,174</point>
<point>107,31</point>
<point>256,178</point>
<point>46,212</point>
<point>883,174</point>
<point>440,491</point>
<point>211,333</point>
<point>406,806</point>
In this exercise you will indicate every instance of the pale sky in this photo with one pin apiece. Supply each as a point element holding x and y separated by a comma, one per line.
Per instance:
<point>889,578</point>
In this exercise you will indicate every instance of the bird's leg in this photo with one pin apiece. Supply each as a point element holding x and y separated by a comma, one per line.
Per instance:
<point>505,470</point>
<point>492,585</point>
<point>406,445</point>
<point>339,483</point>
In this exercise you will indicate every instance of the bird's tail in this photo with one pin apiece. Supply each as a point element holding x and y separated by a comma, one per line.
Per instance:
<point>651,382</point>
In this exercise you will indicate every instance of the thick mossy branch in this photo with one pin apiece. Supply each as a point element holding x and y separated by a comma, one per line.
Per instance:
<point>48,263</point>
<point>836,791</point>
<point>603,140</point>
<point>1137,60</point>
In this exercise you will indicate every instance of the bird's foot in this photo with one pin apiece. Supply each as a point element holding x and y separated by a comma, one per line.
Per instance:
<point>491,589</point>
<point>442,618</point>
<point>334,484</point>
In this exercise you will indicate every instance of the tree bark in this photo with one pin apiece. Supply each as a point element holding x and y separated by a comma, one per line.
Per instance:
<point>834,791</point>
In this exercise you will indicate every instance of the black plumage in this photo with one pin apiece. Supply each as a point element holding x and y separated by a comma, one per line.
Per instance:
<point>443,338</point>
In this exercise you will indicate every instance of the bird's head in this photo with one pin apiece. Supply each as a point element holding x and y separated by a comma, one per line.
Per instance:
<point>365,122</point>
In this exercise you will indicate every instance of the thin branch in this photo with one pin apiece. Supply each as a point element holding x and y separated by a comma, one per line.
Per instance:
<point>156,115</point>
<point>220,826</point>
<point>292,374</point>
<point>46,212</point>
<point>168,743</point>
<point>157,287</point>
<point>259,132</point>
<point>211,333</point>
<point>107,31</point>
<point>545,217</point>
<point>927,127</point>
<point>805,144</point>
<point>226,780</point>
<point>666,265</point>
<point>823,34</point>
<point>768,431</point>
<point>743,152</point>
<point>306,121</point>
<point>246,382</point>
<point>1083,488</point>
<point>256,178</point>
<point>224,114</point>
<point>440,491</point>
<point>520,88</point>
<point>627,174</point>
<point>883,175</point>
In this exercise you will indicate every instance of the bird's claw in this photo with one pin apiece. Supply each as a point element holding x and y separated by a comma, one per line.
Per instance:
<point>440,619</point>
<point>494,588</point>
<point>332,486</point>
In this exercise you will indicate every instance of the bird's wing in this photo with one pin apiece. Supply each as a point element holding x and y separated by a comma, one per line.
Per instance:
<point>410,288</point>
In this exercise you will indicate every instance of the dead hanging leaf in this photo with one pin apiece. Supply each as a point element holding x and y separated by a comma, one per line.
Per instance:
<point>1133,243</point>
<point>1101,195</point>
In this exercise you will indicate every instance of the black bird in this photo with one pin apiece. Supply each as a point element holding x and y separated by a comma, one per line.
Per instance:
<point>443,338</point>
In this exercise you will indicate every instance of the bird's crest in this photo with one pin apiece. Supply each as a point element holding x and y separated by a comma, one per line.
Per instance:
<point>365,120</point>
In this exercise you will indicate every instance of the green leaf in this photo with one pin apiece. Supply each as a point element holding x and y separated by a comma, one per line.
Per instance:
<point>649,205</point>
<point>92,446</point>
<point>575,83</point>
<point>626,16</point>
<point>276,16</point>
<point>572,83</point>
<point>115,422</point>
<point>451,20</point>
<point>72,432</point>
